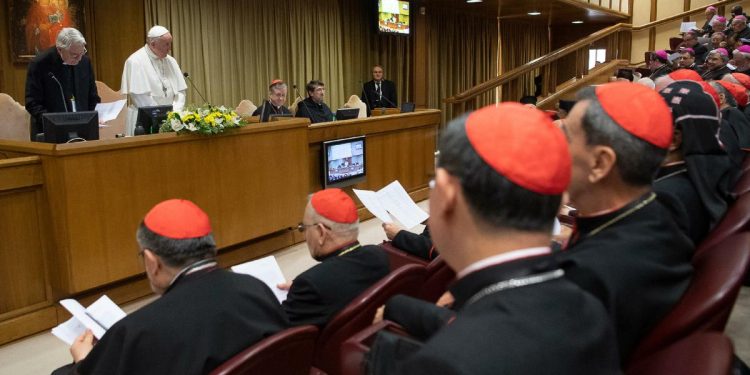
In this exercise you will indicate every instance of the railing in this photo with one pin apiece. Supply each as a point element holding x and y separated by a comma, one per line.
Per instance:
<point>620,6</point>
<point>619,35</point>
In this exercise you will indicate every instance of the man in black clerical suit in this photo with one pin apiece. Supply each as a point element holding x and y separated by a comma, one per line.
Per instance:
<point>420,245</point>
<point>346,267</point>
<point>491,214</point>
<point>63,67</point>
<point>203,317</point>
<point>716,64</point>
<point>734,131</point>
<point>625,249</point>
<point>693,181</point>
<point>274,105</point>
<point>379,92</point>
<point>313,107</point>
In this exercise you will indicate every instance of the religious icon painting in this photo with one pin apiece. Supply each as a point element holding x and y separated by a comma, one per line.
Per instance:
<point>34,24</point>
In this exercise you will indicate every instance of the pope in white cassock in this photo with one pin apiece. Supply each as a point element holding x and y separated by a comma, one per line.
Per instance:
<point>152,77</point>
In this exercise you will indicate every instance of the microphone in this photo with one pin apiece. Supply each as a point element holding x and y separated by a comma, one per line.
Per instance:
<point>62,94</point>
<point>303,103</point>
<point>262,109</point>
<point>187,75</point>
<point>385,97</point>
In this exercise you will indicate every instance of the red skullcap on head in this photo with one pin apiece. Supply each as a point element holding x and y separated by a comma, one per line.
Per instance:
<point>335,205</point>
<point>178,219</point>
<point>662,54</point>
<point>639,110</point>
<point>711,91</point>
<point>523,145</point>
<point>738,92</point>
<point>685,74</point>
<point>743,79</point>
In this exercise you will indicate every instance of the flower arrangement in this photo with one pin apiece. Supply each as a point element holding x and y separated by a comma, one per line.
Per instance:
<point>202,120</point>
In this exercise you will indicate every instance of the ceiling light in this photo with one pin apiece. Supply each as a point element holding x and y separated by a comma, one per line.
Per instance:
<point>534,13</point>
<point>473,1</point>
<point>577,22</point>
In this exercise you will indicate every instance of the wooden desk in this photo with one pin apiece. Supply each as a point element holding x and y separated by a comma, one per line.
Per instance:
<point>68,213</point>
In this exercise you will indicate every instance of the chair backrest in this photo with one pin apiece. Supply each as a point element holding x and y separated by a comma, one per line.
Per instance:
<point>355,102</point>
<point>674,43</point>
<point>293,107</point>
<point>702,353</point>
<point>399,258</point>
<point>15,119</point>
<point>708,301</point>
<point>246,108</point>
<point>359,314</point>
<point>287,352</point>
<point>736,219</point>
<point>116,126</point>
<point>439,276</point>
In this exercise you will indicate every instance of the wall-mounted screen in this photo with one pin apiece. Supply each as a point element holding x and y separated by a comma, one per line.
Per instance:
<point>393,16</point>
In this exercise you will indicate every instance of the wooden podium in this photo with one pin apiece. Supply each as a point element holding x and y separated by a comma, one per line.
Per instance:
<point>68,213</point>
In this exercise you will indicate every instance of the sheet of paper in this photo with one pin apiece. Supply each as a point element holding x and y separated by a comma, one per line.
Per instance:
<point>105,312</point>
<point>372,204</point>
<point>266,270</point>
<point>69,330</point>
<point>79,312</point>
<point>687,26</point>
<point>556,228</point>
<point>109,111</point>
<point>398,203</point>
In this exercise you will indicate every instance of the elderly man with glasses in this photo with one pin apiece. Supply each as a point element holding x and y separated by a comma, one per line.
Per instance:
<point>60,79</point>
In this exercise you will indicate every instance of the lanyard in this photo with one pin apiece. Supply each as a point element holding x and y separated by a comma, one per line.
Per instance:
<point>515,283</point>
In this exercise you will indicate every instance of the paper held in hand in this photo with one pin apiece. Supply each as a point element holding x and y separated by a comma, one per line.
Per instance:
<point>392,199</point>
<point>98,317</point>
<point>109,111</point>
<point>266,270</point>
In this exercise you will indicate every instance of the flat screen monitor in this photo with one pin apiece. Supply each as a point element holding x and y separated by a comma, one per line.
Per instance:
<point>347,113</point>
<point>407,107</point>
<point>64,127</point>
<point>393,17</point>
<point>343,162</point>
<point>150,118</point>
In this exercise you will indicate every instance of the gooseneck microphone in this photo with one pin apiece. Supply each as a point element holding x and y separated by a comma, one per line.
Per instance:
<point>187,75</point>
<point>303,103</point>
<point>367,100</point>
<point>62,94</point>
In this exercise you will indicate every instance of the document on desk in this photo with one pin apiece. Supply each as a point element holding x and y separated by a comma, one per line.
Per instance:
<point>266,270</point>
<point>98,317</point>
<point>394,200</point>
<point>109,111</point>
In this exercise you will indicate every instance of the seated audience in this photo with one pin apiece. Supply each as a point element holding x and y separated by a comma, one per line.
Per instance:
<point>741,59</point>
<point>690,40</point>
<point>718,40</point>
<point>626,250</point>
<point>274,105</point>
<point>716,64</point>
<point>491,212</point>
<point>313,107</point>
<point>659,64</point>
<point>734,132</point>
<point>346,268</point>
<point>693,181</point>
<point>687,59</point>
<point>710,15</point>
<point>204,315</point>
<point>419,245</point>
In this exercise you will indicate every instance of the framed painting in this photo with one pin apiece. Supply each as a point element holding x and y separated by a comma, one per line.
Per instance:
<point>34,24</point>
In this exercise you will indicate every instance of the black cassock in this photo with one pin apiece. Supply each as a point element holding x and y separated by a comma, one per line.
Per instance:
<point>637,265</point>
<point>419,245</point>
<point>201,321</point>
<point>677,194</point>
<point>551,327</point>
<point>317,294</point>
<point>316,112</point>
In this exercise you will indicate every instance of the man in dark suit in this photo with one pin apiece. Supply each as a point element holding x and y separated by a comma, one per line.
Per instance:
<point>346,268</point>
<point>491,215</point>
<point>60,79</point>
<point>314,106</point>
<point>204,314</point>
<point>379,92</point>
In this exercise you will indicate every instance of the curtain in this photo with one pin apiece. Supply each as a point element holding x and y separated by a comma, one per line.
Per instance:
<point>520,43</point>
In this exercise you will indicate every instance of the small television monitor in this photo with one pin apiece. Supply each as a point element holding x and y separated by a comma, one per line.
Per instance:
<point>150,118</point>
<point>343,162</point>
<point>347,113</point>
<point>64,127</point>
<point>393,17</point>
<point>278,116</point>
<point>407,107</point>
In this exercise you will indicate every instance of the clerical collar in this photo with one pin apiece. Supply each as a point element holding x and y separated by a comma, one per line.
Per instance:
<point>588,226</point>
<point>346,249</point>
<point>205,264</point>
<point>504,258</point>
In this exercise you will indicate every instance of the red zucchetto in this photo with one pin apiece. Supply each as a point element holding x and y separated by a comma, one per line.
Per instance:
<point>711,91</point>
<point>743,79</point>
<point>685,74</point>
<point>335,205</point>
<point>737,91</point>
<point>178,219</point>
<point>639,110</point>
<point>523,145</point>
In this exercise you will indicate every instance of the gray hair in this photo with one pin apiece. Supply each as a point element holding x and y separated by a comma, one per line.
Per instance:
<point>341,229</point>
<point>725,59</point>
<point>728,98</point>
<point>176,253</point>
<point>637,160</point>
<point>69,36</point>
<point>277,86</point>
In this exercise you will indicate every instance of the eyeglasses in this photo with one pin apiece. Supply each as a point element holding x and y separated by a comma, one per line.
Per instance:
<point>303,227</point>
<point>77,55</point>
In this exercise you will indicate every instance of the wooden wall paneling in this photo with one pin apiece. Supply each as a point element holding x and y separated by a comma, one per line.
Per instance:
<point>421,67</point>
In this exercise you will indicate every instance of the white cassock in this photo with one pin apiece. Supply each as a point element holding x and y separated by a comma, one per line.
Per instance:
<point>148,81</point>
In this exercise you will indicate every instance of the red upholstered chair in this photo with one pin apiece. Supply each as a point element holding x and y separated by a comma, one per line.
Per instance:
<point>287,352</point>
<point>736,219</point>
<point>699,354</point>
<point>359,314</point>
<point>436,281</point>
<point>674,43</point>
<point>399,258</point>
<point>708,301</point>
